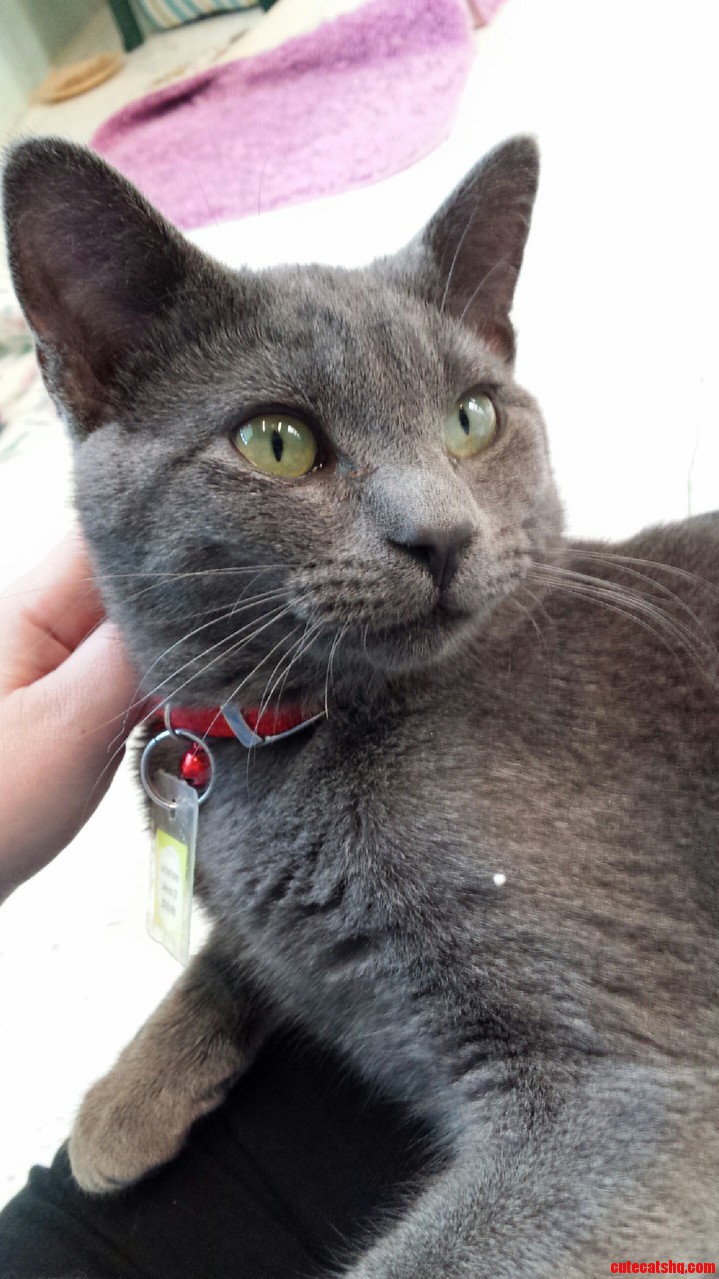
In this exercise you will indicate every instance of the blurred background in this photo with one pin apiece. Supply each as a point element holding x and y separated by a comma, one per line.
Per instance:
<point>616,313</point>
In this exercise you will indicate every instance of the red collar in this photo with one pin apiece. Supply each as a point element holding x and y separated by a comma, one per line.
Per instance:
<point>249,726</point>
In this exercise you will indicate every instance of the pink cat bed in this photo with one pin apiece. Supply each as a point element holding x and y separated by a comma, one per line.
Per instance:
<point>352,102</point>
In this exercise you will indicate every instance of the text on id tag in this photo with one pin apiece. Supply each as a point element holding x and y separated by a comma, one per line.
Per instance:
<point>172,864</point>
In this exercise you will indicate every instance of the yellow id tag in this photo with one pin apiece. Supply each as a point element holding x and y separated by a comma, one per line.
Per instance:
<point>172,864</point>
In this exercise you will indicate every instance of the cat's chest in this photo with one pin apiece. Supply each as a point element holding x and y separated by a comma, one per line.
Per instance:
<point>476,804</point>
<point>459,853</point>
<point>420,811</point>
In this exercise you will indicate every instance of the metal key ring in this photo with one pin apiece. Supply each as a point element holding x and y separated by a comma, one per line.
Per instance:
<point>145,765</point>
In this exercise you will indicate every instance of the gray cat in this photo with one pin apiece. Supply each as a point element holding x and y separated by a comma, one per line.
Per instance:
<point>487,873</point>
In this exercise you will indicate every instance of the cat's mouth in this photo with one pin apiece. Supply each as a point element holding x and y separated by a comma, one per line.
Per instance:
<point>420,640</point>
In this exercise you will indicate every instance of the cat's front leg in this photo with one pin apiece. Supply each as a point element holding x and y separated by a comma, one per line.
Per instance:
<point>180,1065</point>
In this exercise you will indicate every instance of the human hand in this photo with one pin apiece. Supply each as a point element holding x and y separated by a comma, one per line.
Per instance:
<point>65,686</point>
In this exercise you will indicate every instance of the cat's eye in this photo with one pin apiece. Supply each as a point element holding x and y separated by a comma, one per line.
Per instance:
<point>471,426</point>
<point>278,444</point>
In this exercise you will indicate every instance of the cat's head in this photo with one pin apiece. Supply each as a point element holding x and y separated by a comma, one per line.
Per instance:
<point>272,466</point>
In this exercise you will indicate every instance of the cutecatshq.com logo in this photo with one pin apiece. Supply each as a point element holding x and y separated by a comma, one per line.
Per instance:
<point>663,1267</point>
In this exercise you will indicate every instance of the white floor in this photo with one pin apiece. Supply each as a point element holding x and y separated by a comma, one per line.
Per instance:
<point>617,314</point>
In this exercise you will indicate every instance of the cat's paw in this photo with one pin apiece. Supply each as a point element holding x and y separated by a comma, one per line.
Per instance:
<point>128,1126</point>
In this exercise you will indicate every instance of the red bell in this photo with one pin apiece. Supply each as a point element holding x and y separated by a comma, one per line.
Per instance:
<point>195,768</point>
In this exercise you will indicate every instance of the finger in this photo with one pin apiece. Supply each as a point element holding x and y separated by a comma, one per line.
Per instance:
<point>94,688</point>
<point>46,613</point>
<point>62,741</point>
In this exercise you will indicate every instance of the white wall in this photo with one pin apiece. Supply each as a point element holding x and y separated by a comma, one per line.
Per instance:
<point>33,34</point>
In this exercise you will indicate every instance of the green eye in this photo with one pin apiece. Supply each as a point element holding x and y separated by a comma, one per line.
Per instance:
<point>277,444</point>
<point>471,426</point>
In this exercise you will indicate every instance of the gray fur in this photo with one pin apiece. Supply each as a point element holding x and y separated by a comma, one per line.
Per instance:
<point>552,716</point>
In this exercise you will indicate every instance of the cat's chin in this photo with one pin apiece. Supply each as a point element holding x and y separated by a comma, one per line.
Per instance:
<point>422,642</point>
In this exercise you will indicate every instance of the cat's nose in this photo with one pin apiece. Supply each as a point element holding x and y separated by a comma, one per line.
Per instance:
<point>439,550</point>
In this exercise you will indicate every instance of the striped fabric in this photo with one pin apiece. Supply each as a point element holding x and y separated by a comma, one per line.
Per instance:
<point>162,14</point>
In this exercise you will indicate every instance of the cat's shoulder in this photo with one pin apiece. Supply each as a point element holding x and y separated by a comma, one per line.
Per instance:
<point>691,544</point>
<point>681,557</point>
<point>655,593</point>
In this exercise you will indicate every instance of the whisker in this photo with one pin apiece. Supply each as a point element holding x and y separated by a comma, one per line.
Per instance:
<point>457,252</point>
<point>664,626</point>
<point>586,592</point>
<point>230,611</point>
<point>537,601</point>
<point>613,558</point>
<point>300,647</point>
<point>232,646</point>
<point>528,613</point>
<point>668,593</point>
<point>131,599</point>
<point>265,699</point>
<point>138,701</point>
<point>682,633</point>
<point>315,629</point>
<point>253,672</point>
<point>95,579</point>
<point>335,645</point>
<point>476,292</point>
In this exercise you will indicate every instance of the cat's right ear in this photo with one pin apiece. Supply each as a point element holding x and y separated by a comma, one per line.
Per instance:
<point>98,273</point>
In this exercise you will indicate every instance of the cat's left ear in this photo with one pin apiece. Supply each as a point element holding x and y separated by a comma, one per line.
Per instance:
<point>466,261</point>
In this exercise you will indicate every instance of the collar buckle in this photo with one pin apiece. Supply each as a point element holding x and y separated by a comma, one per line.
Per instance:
<point>249,738</point>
